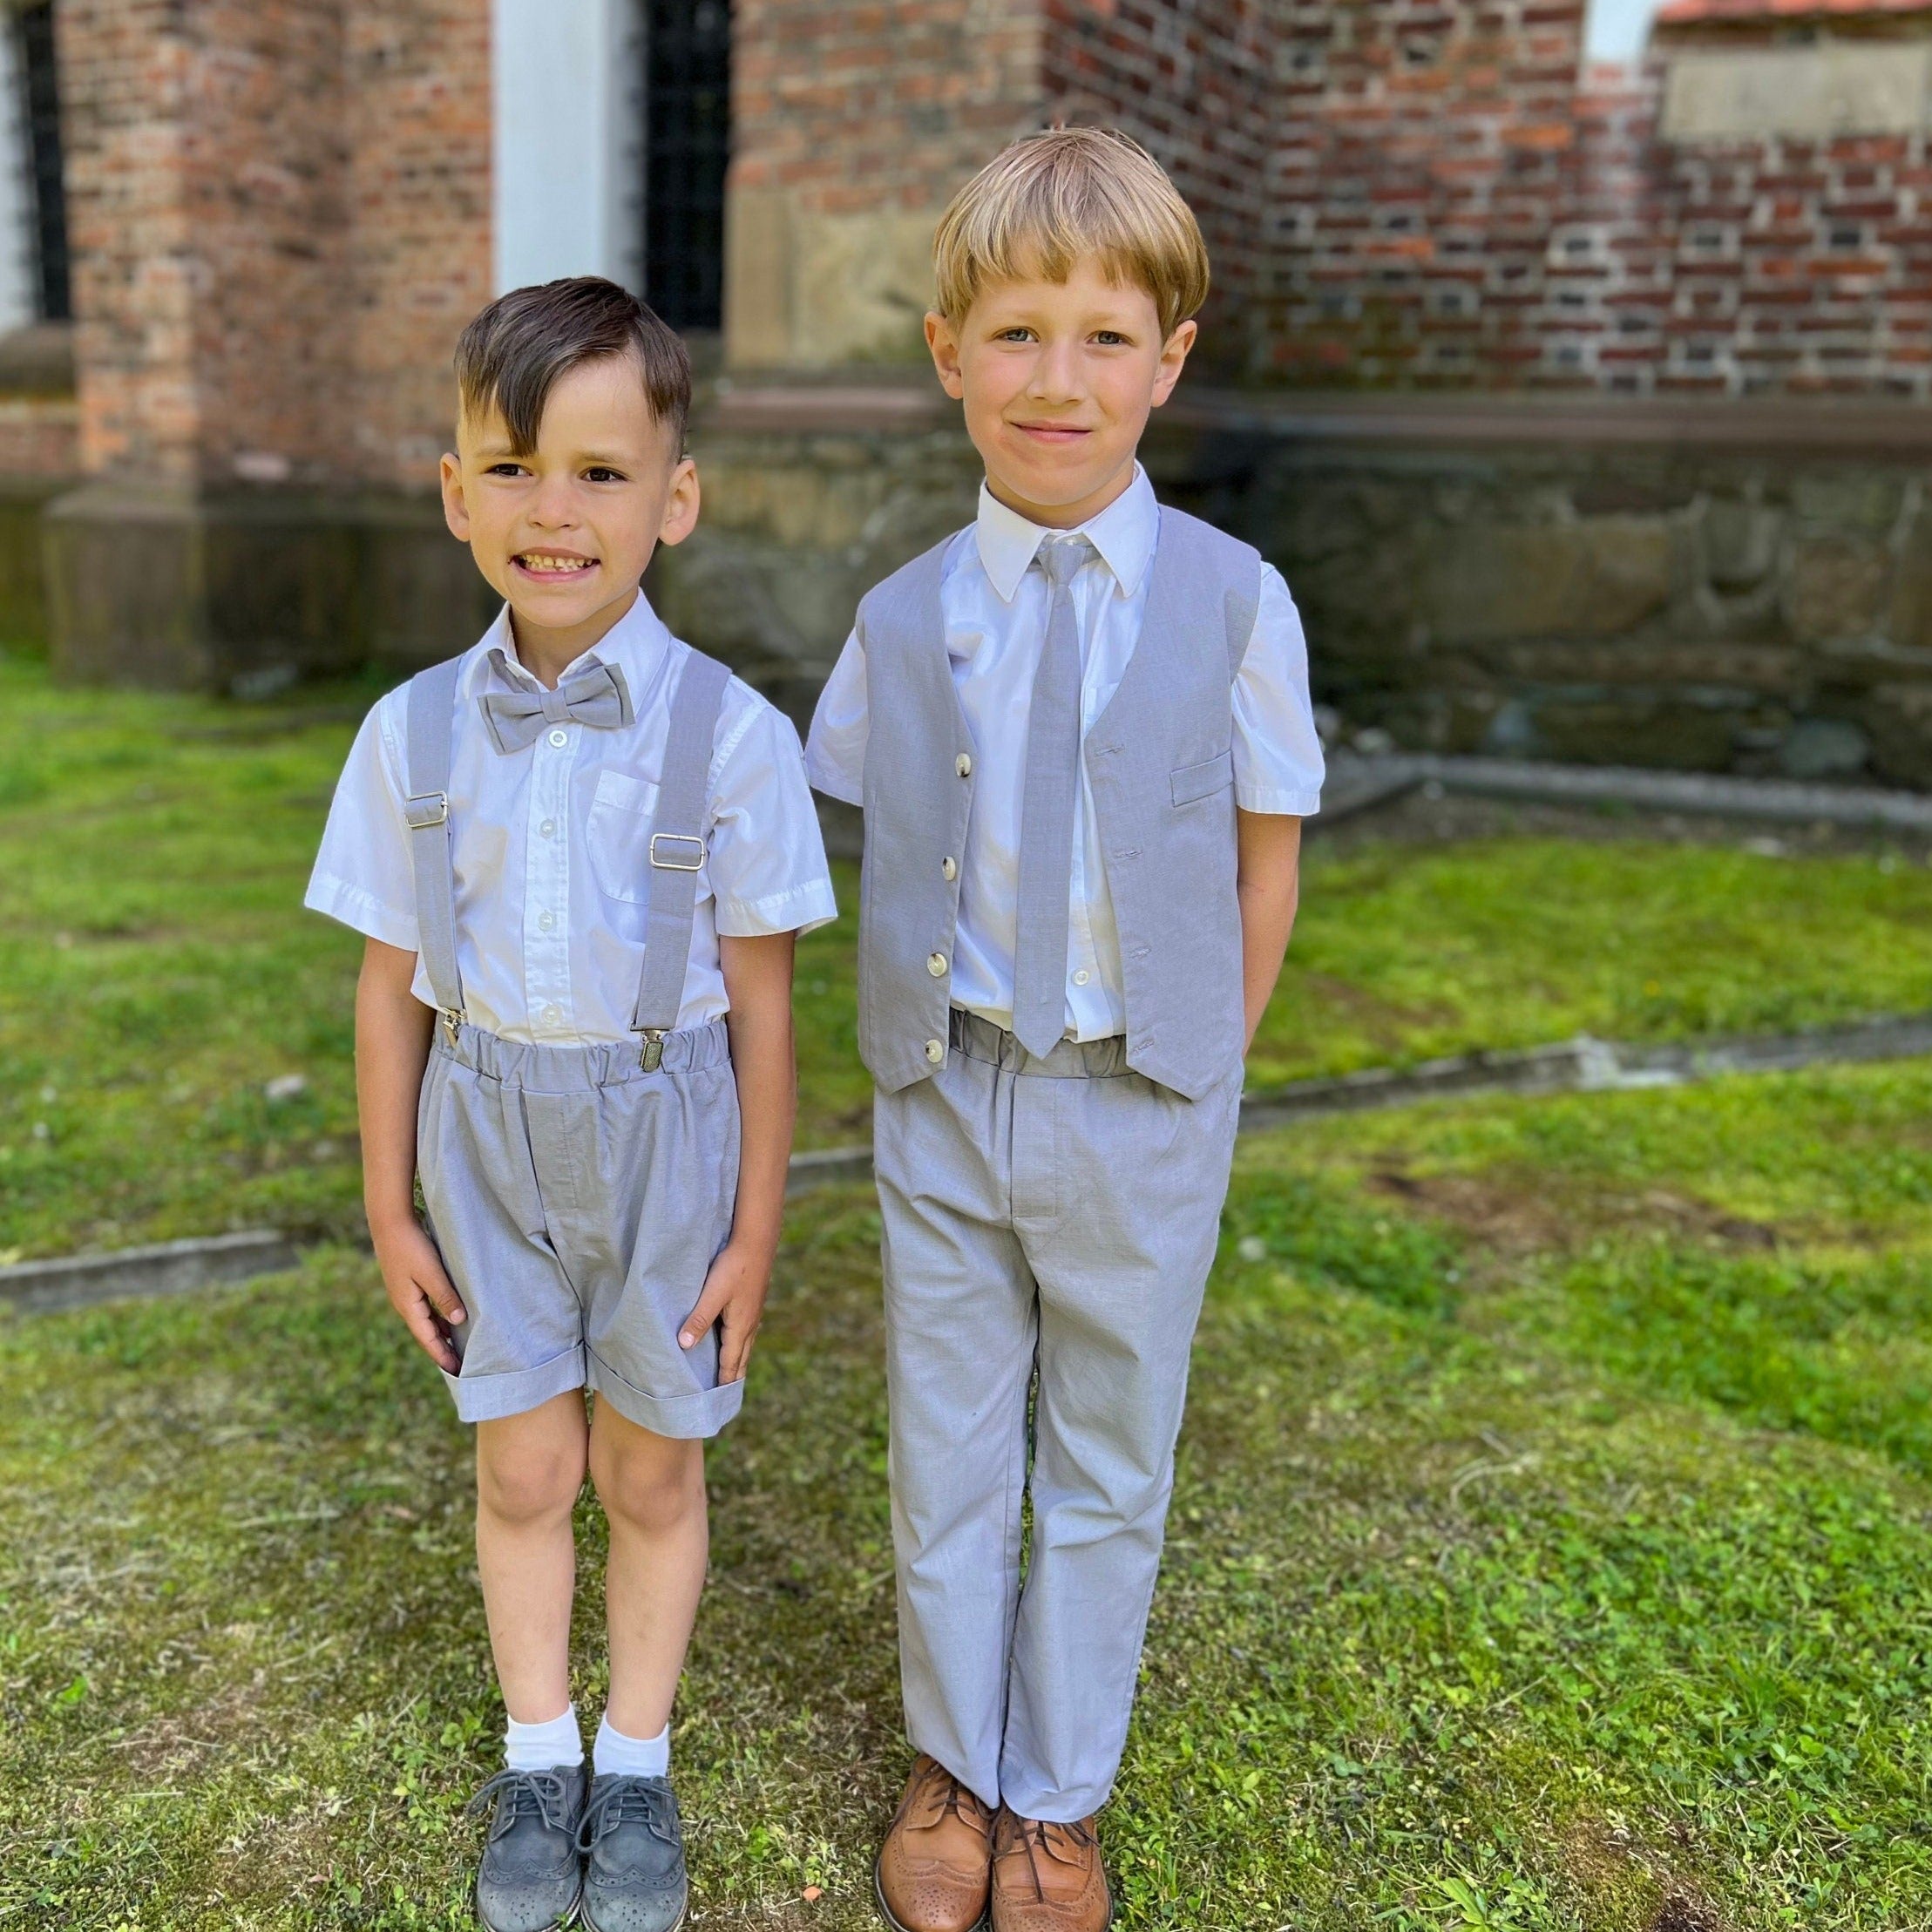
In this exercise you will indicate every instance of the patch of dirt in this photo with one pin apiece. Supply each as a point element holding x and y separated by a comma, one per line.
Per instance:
<point>1387,1024</point>
<point>1682,1913</point>
<point>1517,1214</point>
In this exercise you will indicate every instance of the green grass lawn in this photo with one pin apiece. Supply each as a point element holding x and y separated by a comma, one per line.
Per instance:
<point>1552,1543</point>
<point>158,972</point>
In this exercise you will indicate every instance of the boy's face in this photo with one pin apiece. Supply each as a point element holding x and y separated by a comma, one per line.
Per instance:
<point>563,531</point>
<point>1057,379</point>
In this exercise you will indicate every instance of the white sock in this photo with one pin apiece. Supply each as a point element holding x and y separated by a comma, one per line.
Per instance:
<point>544,1746</point>
<point>631,1757</point>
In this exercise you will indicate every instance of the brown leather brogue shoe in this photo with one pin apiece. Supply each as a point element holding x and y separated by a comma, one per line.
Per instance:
<point>1048,1878</point>
<point>936,1865</point>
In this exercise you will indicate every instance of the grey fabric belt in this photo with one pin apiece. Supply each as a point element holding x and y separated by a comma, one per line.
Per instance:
<point>979,1039</point>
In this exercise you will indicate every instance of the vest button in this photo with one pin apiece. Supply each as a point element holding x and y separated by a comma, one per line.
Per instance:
<point>963,764</point>
<point>934,1052</point>
<point>935,965</point>
<point>949,868</point>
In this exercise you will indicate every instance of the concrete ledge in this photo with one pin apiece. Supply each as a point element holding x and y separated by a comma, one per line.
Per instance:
<point>166,1268</point>
<point>1715,795</point>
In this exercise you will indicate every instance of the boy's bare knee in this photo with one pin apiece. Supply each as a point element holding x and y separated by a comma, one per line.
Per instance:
<point>653,1490</point>
<point>530,1486</point>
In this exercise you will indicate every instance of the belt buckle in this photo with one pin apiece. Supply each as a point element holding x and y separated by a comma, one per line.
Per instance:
<point>676,865</point>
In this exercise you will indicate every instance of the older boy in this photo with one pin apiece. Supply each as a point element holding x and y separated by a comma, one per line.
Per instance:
<point>1081,734</point>
<point>581,853</point>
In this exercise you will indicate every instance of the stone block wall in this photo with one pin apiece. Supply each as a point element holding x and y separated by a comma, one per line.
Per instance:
<point>1727,588</point>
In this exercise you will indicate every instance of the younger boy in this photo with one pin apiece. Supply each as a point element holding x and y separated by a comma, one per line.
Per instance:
<point>579,853</point>
<point>1081,734</point>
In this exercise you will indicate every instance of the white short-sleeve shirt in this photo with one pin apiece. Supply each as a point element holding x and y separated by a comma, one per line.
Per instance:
<point>550,843</point>
<point>995,609</point>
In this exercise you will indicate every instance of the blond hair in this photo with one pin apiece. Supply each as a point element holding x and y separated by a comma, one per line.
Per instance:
<point>1063,194</point>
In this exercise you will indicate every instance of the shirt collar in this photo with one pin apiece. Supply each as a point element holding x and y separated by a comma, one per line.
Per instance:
<point>637,643</point>
<point>1124,533</point>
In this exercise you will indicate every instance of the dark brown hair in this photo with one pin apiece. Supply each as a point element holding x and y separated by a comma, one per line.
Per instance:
<point>512,355</point>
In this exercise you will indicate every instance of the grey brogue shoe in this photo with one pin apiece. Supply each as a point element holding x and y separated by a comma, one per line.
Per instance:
<point>532,1872</point>
<point>633,1856</point>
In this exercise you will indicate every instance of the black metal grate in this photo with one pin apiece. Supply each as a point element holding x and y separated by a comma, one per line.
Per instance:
<point>41,86</point>
<point>687,148</point>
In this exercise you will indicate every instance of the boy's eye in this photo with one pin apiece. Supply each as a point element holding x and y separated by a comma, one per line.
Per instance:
<point>1018,333</point>
<point>1109,338</point>
<point>505,470</point>
<point>599,473</point>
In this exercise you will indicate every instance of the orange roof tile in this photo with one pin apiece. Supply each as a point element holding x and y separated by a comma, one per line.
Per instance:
<point>1684,13</point>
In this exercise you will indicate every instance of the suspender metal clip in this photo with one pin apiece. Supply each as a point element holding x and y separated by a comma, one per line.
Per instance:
<point>650,1051</point>
<point>451,1018</point>
<point>425,809</point>
<point>695,846</point>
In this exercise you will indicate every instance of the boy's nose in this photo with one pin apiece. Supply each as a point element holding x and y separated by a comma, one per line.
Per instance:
<point>1056,374</point>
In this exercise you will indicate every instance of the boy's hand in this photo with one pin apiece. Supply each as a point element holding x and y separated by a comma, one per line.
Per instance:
<point>420,1291</point>
<point>734,1297</point>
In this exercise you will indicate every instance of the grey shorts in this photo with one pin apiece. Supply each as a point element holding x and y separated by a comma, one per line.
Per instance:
<point>578,1203</point>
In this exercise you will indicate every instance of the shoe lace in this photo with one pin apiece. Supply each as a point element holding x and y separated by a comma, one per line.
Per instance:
<point>956,1800</point>
<point>647,1801</point>
<point>525,1794</point>
<point>1040,1837</point>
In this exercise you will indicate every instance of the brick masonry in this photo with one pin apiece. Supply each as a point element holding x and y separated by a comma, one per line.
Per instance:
<point>280,215</point>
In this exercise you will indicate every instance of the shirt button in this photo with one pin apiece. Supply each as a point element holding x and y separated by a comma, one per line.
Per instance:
<point>949,868</point>
<point>553,1015</point>
<point>963,764</point>
<point>936,966</point>
<point>546,920</point>
<point>548,828</point>
<point>934,1052</point>
<point>1082,977</point>
<point>559,739</point>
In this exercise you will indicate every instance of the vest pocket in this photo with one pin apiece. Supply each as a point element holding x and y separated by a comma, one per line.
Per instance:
<point>1203,780</point>
<point>619,835</point>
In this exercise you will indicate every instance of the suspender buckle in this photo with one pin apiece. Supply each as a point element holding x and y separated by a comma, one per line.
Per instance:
<point>650,1053</point>
<point>426,810</point>
<point>451,1018</point>
<point>695,844</point>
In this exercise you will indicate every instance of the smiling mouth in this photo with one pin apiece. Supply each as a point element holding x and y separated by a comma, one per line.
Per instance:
<point>1053,432</point>
<point>557,566</point>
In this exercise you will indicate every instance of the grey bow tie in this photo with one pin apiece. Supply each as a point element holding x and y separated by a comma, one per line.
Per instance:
<point>596,696</point>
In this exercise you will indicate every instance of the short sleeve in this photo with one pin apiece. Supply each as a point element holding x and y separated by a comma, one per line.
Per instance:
<point>835,749</point>
<point>1278,755</point>
<point>363,874</point>
<point>767,860</point>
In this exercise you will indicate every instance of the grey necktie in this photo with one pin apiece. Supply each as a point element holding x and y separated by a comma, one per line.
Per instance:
<point>596,696</point>
<point>1046,813</point>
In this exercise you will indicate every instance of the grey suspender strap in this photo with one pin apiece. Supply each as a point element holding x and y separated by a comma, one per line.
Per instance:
<point>431,720</point>
<point>677,850</point>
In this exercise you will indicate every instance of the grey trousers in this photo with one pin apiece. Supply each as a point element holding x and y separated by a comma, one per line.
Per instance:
<point>578,1203</point>
<point>1059,1213</point>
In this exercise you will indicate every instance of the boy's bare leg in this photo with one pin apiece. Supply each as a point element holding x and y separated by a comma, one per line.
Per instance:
<point>652,1488</point>
<point>529,1470</point>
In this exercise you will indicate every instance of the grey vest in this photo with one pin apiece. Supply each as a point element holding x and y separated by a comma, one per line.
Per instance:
<point>1160,761</point>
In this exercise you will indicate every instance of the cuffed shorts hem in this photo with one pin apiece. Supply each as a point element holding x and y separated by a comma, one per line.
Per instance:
<point>491,1398</point>
<point>684,1418</point>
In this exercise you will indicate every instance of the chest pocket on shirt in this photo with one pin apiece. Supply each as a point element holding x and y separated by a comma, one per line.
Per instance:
<point>619,835</point>
<point>1203,780</point>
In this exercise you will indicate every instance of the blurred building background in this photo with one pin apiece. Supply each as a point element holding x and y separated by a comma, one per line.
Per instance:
<point>1585,401</point>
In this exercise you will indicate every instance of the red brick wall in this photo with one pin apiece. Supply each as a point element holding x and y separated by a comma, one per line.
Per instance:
<point>419,191</point>
<point>1192,79</point>
<point>891,104</point>
<point>281,220</point>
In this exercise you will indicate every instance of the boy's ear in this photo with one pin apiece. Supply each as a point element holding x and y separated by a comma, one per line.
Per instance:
<point>681,505</point>
<point>1173,356</point>
<point>944,345</point>
<point>456,512</point>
